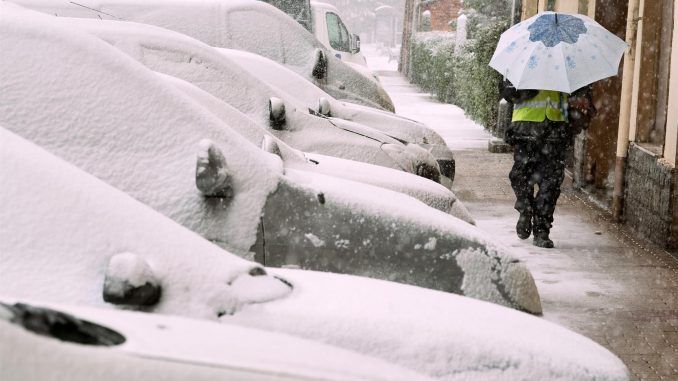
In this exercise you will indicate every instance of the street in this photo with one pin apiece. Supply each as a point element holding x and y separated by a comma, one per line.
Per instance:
<point>599,280</point>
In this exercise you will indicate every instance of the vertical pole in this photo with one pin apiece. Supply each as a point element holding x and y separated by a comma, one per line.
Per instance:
<point>625,111</point>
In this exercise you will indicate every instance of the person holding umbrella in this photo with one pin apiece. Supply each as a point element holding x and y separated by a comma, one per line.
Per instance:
<point>544,59</point>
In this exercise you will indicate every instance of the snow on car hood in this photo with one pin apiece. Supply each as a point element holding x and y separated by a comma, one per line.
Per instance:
<point>429,192</point>
<point>445,336</point>
<point>61,227</point>
<point>305,91</point>
<point>68,91</point>
<point>174,54</point>
<point>199,348</point>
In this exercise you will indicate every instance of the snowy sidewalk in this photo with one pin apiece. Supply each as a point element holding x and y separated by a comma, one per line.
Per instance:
<point>598,281</point>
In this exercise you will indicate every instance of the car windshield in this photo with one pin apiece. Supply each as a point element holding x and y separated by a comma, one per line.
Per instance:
<point>337,33</point>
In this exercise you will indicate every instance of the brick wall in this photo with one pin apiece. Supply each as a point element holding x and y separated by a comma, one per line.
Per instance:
<point>442,11</point>
<point>648,199</point>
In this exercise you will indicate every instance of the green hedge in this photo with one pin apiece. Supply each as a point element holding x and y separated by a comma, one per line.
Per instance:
<point>464,79</point>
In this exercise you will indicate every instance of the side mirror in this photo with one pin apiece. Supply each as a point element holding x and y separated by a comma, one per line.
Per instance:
<point>276,113</point>
<point>269,145</point>
<point>323,106</point>
<point>211,174</point>
<point>355,44</point>
<point>320,67</point>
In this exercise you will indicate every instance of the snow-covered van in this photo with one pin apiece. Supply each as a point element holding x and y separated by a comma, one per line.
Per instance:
<point>327,25</point>
<point>94,106</point>
<point>69,238</point>
<point>238,24</point>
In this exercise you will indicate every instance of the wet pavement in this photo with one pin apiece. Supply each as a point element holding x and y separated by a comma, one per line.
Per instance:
<point>600,280</point>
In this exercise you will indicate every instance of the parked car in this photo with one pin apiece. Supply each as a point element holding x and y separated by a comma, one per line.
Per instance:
<point>119,121</point>
<point>178,55</point>
<point>396,126</point>
<point>43,341</point>
<point>68,237</point>
<point>242,24</point>
<point>324,21</point>
<point>223,79</point>
<point>428,192</point>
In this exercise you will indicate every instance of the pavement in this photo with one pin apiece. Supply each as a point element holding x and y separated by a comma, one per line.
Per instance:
<point>600,280</point>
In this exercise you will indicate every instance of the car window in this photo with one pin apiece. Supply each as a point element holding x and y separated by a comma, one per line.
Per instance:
<point>337,33</point>
<point>256,32</point>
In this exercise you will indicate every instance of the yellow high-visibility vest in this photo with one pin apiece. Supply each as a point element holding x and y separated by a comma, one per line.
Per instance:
<point>547,104</point>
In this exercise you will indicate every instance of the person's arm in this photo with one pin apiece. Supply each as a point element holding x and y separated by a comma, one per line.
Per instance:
<point>513,95</point>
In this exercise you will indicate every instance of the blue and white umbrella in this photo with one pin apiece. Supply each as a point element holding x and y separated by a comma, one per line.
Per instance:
<point>557,51</point>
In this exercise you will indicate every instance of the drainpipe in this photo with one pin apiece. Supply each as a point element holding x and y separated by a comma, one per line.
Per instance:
<point>516,11</point>
<point>625,111</point>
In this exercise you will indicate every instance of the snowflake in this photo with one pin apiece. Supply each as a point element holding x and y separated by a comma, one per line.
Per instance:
<point>533,62</point>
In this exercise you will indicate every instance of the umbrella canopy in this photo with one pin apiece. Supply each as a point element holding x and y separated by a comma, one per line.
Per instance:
<point>557,51</point>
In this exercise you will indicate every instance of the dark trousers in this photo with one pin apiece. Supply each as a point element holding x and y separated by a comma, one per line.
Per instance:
<point>539,151</point>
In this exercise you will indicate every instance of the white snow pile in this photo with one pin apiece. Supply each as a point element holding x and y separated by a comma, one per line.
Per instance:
<point>61,227</point>
<point>447,337</point>
<point>146,134</point>
<point>172,348</point>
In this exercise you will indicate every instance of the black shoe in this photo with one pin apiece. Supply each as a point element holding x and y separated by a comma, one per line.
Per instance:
<point>542,239</point>
<point>524,226</point>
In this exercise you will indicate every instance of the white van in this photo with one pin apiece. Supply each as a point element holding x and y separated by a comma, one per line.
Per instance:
<point>329,29</point>
<point>325,22</point>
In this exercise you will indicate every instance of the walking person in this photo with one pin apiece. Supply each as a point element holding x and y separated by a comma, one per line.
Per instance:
<point>543,60</point>
<point>542,130</point>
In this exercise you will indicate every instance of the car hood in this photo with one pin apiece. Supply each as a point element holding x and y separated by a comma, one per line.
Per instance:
<point>176,346</point>
<point>399,127</point>
<point>448,337</point>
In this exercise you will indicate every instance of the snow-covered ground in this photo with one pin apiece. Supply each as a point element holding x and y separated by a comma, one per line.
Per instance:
<point>459,132</point>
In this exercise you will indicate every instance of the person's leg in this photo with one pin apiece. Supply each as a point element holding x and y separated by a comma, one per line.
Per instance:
<point>521,174</point>
<point>550,172</point>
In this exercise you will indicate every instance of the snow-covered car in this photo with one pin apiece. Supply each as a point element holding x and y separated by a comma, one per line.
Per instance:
<point>178,55</point>
<point>238,24</point>
<point>223,79</point>
<point>81,344</point>
<point>428,192</point>
<point>119,121</point>
<point>69,238</point>
<point>401,128</point>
